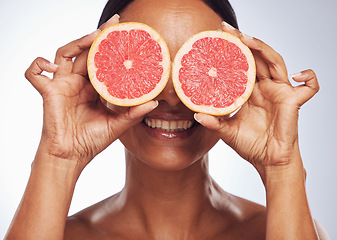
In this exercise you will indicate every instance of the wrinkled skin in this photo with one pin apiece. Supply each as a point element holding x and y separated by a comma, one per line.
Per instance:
<point>169,193</point>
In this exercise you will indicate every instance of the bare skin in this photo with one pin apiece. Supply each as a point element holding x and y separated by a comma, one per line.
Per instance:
<point>168,193</point>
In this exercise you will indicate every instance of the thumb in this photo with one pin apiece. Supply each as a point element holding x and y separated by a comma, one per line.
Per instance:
<point>121,122</point>
<point>221,125</point>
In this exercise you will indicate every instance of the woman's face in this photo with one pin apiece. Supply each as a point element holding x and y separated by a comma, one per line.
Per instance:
<point>178,141</point>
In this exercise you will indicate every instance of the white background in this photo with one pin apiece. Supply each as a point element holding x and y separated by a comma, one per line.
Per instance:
<point>303,31</point>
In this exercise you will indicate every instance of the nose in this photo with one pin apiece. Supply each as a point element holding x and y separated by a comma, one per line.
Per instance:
<point>169,94</point>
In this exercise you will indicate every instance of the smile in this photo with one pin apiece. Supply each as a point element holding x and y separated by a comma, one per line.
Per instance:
<point>169,126</point>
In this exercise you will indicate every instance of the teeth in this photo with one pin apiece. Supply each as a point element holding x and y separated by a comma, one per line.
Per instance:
<point>170,126</point>
<point>164,125</point>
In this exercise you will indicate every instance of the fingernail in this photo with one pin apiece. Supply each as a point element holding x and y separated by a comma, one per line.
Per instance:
<point>196,117</point>
<point>116,16</point>
<point>227,25</point>
<point>155,104</point>
<point>246,36</point>
<point>295,75</point>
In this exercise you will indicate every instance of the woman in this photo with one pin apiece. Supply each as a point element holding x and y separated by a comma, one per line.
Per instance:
<point>168,193</point>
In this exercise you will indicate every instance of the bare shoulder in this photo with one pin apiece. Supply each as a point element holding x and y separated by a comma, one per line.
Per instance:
<point>77,228</point>
<point>80,226</point>
<point>247,221</point>
<point>253,221</point>
<point>87,224</point>
<point>250,219</point>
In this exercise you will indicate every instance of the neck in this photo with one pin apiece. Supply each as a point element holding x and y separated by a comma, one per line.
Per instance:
<point>168,200</point>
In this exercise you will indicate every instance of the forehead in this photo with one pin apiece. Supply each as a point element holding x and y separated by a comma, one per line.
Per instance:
<point>175,20</point>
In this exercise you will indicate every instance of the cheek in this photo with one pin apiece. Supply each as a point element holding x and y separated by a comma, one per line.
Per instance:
<point>168,155</point>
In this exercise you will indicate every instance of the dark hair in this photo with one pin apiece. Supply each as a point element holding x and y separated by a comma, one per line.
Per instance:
<point>221,7</point>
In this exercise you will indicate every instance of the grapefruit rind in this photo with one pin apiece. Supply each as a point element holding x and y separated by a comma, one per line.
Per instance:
<point>102,89</point>
<point>251,74</point>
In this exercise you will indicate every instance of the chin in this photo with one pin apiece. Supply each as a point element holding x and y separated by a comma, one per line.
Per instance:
<point>171,160</point>
<point>166,158</point>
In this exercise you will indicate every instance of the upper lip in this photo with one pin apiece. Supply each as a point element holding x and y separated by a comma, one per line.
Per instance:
<point>165,112</point>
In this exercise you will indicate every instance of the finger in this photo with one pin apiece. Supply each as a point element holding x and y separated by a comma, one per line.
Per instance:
<point>34,73</point>
<point>80,63</point>
<point>118,125</point>
<point>271,63</point>
<point>262,69</point>
<point>112,21</point>
<point>274,61</point>
<point>310,86</point>
<point>64,55</point>
<point>139,111</point>
<point>113,108</point>
<point>230,29</point>
<point>221,125</point>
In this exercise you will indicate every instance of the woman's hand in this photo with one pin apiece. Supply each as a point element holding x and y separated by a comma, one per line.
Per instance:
<point>76,125</point>
<point>264,130</point>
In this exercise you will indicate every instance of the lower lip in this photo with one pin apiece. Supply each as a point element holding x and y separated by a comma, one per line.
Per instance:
<point>165,135</point>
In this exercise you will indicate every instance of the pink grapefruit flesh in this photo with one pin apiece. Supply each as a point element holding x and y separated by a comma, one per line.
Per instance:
<point>128,64</point>
<point>214,73</point>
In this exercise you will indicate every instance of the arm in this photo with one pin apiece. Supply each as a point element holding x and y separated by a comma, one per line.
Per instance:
<point>288,212</point>
<point>44,207</point>
<point>265,133</point>
<point>76,127</point>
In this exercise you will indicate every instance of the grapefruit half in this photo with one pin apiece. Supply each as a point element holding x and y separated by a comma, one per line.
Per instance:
<point>128,64</point>
<point>214,73</point>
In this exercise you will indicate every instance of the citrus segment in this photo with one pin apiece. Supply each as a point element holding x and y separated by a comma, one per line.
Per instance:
<point>214,73</point>
<point>129,64</point>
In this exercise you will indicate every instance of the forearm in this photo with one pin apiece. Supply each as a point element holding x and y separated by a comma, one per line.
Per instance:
<point>288,213</point>
<point>44,207</point>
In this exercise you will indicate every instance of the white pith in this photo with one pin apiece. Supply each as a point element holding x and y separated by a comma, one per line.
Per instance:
<point>128,64</point>
<point>251,73</point>
<point>102,89</point>
<point>170,126</point>
<point>212,72</point>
